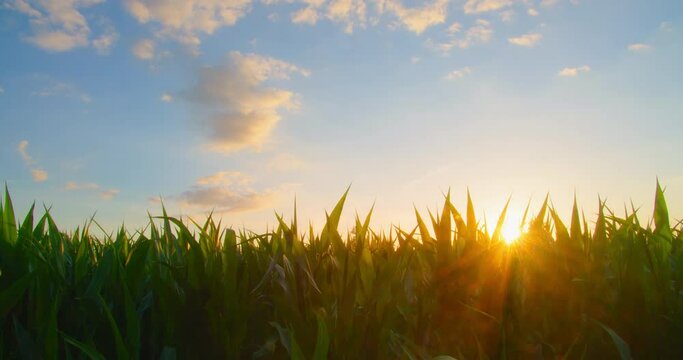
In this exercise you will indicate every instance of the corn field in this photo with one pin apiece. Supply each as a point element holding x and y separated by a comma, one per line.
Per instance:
<point>608,287</point>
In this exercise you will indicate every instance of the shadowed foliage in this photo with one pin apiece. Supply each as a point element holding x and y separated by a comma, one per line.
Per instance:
<point>177,289</point>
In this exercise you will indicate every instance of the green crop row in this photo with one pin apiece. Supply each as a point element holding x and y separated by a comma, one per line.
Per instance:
<point>446,288</point>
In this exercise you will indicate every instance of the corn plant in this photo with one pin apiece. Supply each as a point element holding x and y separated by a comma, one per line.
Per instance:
<point>446,288</point>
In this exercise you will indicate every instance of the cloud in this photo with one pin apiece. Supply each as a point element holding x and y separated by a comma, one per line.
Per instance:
<point>57,25</point>
<point>415,59</point>
<point>185,20</point>
<point>165,97</point>
<point>52,87</point>
<point>639,48</point>
<point>106,40</point>
<point>458,74</point>
<point>526,40</point>
<point>573,72</point>
<point>144,49</point>
<point>38,175</point>
<point>240,111</point>
<point>351,13</point>
<point>480,32</point>
<point>226,191</point>
<point>418,19</point>
<point>480,6</point>
<point>22,148</point>
<point>73,186</point>
<point>2,90</point>
<point>107,194</point>
<point>308,15</point>
<point>532,12</point>
<point>286,162</point>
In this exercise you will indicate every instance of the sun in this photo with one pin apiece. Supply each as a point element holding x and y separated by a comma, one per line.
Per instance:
<point>510,232</point>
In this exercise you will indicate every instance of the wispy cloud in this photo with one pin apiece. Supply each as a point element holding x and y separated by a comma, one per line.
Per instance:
<point>59,25</point>
<point>106,40</point>
<point>526,40</point>
<point>226,191</point>
<point>574,71</point>
<point>418,19</point>
<point>532,12</point>
<point>186,20</point>
<point>38,174</point>
<point>480,6</point>
<point>106,194</point>
<point>166,97</point>
<point>144,49</point>
<point>480,32</point>
<point>639,48</point>
<point>458,74</point>
<point>240,111</point>
<point>52,87</point>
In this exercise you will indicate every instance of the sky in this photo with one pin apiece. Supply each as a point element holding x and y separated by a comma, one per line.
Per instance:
<point>240,107</point>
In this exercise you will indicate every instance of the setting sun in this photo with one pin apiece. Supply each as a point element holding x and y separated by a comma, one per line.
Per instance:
<point>510,232</point>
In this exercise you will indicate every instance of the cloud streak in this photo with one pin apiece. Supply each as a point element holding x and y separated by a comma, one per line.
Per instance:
<point>38,174</point>
<point>60,25</point>
<point>186,20</point>
<point>574,71</point>
<point>106,194</point>
<point>226,191</point>
<point>526,40</point>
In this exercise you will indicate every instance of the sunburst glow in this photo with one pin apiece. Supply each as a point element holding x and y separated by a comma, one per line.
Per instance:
<point>511,232</point>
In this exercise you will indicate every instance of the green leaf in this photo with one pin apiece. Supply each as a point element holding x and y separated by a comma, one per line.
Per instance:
<point>8,224</point>
<point>619,343</point>
<point>10,297</point>
<point>322,343</point>
<point>90,351</point>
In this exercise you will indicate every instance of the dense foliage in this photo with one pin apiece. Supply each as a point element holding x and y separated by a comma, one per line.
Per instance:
<point>608,289</point>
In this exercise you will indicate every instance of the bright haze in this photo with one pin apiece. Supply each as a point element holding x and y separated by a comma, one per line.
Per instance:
<point>239,106</point>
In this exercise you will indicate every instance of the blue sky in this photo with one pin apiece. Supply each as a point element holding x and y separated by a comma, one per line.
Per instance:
<point>239,106</point>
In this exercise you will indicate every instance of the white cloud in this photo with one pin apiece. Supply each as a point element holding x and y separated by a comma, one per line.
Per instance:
<point>109,194</point>
<point>73,186</point>
<point>458,74</point>
<point>480,32</point>
<point>507,15</point>
<point>639,48</point>
<point>166,97</point>
<point>52,87</point>
<point>480,6</point>
<point>57,25</point>
<point>144,49</point>
<point>226,191</point>
<point>351,13</point>
<point>38,175</point>
<point>532,12</point>
<point>22,148</point>
<point>308,15</point>
<point>185,20</point>
<point>240,111</point>
<point>526,40</point>
<point>107,39</point>
<point>548,2</point>
<point>574,71</point>
<point>418,19</point>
